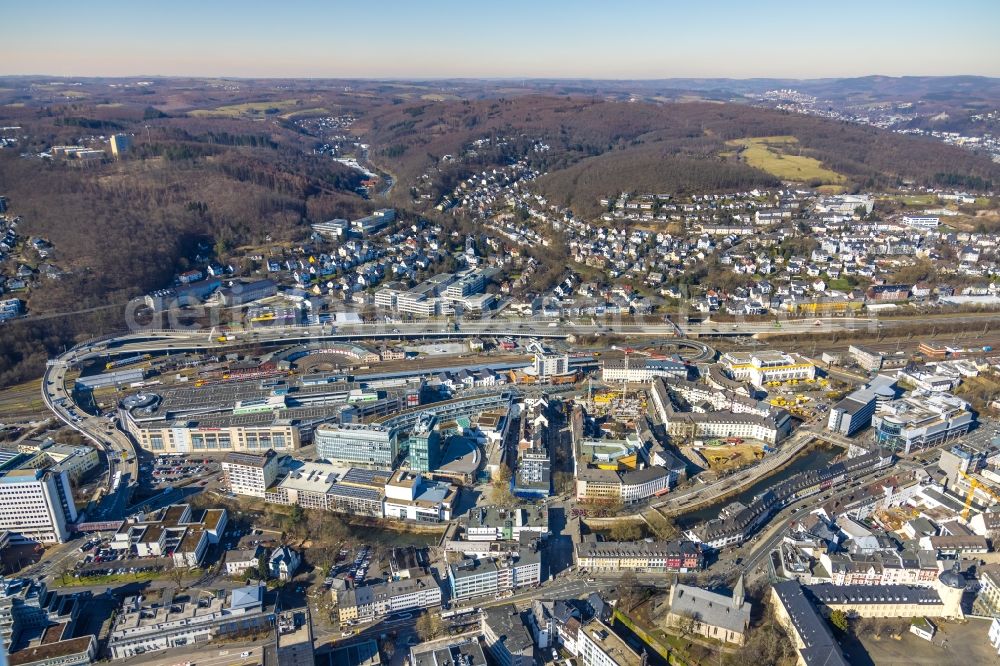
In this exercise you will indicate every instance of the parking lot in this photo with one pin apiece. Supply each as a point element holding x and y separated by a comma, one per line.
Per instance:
<point>172,470</point>
<point>354,569</point>
<point>99,559</point>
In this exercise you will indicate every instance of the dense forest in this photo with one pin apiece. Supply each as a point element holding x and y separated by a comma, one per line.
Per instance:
<point>125,228</point>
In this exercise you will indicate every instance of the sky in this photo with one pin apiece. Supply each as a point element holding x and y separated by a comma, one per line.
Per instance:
<point>613,39</point>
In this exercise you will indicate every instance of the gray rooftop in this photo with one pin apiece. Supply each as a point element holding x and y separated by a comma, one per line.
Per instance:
<point>507,624</point>
<point>873,594</point>
<point>714,609</point>
<point>820,649</point>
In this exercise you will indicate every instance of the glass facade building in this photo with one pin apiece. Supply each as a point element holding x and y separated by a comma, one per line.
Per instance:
<point>361,445</point>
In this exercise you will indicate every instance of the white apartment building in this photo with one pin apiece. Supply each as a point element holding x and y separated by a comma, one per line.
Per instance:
<point>921,221</point>
<point>374,601</point>
<point>250,473</point>
<point>599,646</point>
<point>641,370</point>
<point>36,505</point>
<point>548,364</point>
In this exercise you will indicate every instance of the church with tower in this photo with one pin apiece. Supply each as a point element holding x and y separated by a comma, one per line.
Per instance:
<point>710,614</point>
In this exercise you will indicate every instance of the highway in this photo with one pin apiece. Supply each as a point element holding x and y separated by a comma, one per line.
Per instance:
<point>100,431</point>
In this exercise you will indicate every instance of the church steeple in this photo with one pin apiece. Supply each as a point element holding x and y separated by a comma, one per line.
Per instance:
<point>739,593</point>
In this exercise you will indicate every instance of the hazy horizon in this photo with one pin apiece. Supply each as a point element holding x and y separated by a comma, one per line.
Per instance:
<point>418,79</point>
<point>634,40</point>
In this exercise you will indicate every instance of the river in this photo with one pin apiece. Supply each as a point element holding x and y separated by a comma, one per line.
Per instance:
<point>814,458</point>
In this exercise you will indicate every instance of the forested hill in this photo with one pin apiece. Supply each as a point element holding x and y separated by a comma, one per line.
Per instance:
<point>600,146</point>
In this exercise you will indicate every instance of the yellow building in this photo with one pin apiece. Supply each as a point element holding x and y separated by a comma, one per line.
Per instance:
<point>827,306</point>
<point>762,367</point>
<point>207,436</point>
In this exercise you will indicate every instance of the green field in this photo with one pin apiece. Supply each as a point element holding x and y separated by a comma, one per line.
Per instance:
<point>913,199</point>
<point>246,109</point>
<point>768,153</point>
<point>305,113</point>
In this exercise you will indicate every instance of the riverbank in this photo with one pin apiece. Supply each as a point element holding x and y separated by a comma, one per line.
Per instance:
<point>823,453</point>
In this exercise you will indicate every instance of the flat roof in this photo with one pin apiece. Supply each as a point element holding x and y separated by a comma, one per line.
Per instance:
<point>47,651</point>
<point>358,654</point>
<point>313,477</point>
<point>610,643</point>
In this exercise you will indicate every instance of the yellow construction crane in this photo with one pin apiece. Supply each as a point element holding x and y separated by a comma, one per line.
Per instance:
<point>973,484</point>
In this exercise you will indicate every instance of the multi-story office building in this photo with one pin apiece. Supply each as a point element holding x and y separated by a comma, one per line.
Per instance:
<point>549,364</point>
<point>461,650</point>
<point>760,368</point>
<point>533,477</point>
<point>855,410</point>
<point>425,444</point>
<point>175,531</point>
<point>604,485</point>
<point>597,645</point>
<point>361,445</point>
<point>250,473</point>
<point>418,304</point>
<point>29,606</point>
<point>152,622</point>
<point>868,359</point>
<point>40,623</point>
<point>371,602</point>
<point>469,284</point>
<point>921,419</point>
<point>494,523</point>
<point>474,578</point>
<point>506,636</point>
<point>36,504</point>
<point>120,144</point>
<point>74,460</point>
<point>410,496</point>
<point>641,370</point>
<point>355,491</point>
<point>247,292</point>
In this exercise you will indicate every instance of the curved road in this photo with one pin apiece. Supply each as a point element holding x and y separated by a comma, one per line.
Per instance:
<point>102,432</point>
<point>117,443</point>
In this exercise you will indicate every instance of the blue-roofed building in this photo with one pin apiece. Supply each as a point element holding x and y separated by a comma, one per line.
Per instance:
<point>246,598</point>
